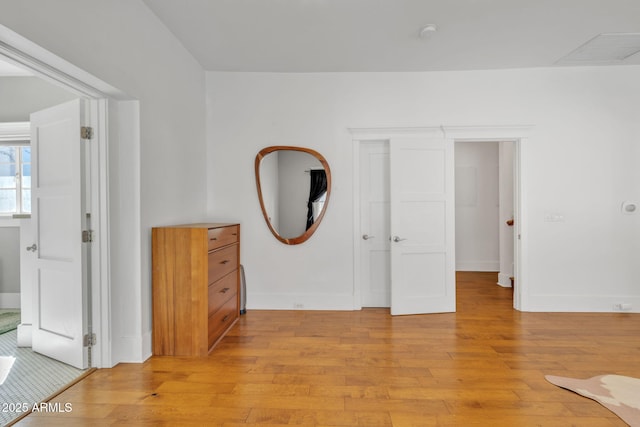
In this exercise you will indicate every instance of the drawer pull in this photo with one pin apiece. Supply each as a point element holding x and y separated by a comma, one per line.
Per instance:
<point>224,290</point>
<point>213,238</point>
<point>224,319</point>
<point>226,261</point>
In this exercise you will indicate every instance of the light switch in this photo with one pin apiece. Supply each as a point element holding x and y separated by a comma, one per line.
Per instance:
<point>553,217</point>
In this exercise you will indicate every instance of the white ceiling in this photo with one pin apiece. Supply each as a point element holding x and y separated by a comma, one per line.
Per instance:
<point>383,35</point>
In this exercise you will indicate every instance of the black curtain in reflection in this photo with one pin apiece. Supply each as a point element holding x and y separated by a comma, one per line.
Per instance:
<point>318,188</point>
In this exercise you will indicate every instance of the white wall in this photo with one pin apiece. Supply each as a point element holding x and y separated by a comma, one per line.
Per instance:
<point>580,163</point>
<point>295,185</point>
<point>270,188</point>
<point>477,232</point>
<point>292,201</point>
<point>22,96</point>
<point>9,259</point>
<point>123,43</point>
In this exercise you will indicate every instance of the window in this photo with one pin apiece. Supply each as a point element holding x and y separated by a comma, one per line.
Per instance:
<point>15,179</point>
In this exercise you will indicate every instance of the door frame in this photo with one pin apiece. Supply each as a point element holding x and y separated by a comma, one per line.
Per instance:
<point>518,135</point>
<point>102,97</point>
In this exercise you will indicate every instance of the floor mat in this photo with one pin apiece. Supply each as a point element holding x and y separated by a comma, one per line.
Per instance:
<point>9,320</point>
<point>31,379</point>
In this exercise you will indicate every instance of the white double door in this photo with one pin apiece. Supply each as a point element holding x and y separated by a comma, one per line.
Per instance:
<point>407,253</point>
<point>59,216</point>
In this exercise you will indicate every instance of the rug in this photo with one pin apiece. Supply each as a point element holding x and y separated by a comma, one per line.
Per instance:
<point>9,320</point>
<point>33,378</point>
<point>619,394</point>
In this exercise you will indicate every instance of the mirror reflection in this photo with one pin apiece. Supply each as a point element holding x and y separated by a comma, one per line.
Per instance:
<point>294,184</point>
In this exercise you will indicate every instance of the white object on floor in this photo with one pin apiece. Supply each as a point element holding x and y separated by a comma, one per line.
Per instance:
<point>6,362</point>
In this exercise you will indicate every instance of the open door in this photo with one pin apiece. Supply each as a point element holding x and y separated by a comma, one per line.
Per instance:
<point>422,226</point>
<point>59,216</point>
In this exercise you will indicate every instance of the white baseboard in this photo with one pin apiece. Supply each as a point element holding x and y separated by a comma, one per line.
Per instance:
<point>24,335</point>
<point>10,300</point>
<point>300,302</point>
<point>146,346</point>
<point>131,349</point>
<point>504,280</point>
<point>477,265</point>
<point>581,303</point>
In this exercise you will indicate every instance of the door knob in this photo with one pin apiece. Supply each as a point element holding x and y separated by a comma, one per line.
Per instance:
<point>32,248</point>
<point>367,237</point>
<point>397,239</point>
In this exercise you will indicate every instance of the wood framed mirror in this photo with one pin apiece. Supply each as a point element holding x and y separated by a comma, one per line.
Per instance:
<point>294,185</point>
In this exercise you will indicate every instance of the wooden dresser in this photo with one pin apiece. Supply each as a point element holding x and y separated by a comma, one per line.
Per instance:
<point>196,280</point>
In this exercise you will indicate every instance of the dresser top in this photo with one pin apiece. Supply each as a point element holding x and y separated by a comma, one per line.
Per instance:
<point>202,225</point>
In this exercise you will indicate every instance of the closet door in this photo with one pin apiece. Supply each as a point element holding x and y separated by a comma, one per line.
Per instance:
<point>375,255</point>
<point>422,225</point>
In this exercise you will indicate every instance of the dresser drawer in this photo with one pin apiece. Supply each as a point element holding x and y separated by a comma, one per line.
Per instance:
<point>219,237</point>
<point>222,319</point>
<point>222,262</point>
<point>222,290</point>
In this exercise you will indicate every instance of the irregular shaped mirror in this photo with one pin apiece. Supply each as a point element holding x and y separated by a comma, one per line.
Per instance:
<point>294,185</point>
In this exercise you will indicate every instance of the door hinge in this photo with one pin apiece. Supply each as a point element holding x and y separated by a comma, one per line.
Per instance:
<point>87,236</point>
<point>86,132</point>
<point>89,340</point>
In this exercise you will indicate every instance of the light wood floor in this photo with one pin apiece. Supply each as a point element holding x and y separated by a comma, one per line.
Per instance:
<point>483,365</point>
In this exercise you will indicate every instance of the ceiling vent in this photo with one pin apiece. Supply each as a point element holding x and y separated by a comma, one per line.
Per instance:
<point>609,48</point>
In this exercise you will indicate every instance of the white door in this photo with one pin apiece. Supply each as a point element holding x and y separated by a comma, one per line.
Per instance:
<point>59,216</point>
<point>422,226</point>
<point>375,261</point>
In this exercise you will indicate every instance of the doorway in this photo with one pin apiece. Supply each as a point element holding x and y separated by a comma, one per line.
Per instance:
<point>53,264</point>
<point>23,93</point>
<point>371,276</point>
<point>42,64</point>
<point>484,208</point>
<point>33,373</point>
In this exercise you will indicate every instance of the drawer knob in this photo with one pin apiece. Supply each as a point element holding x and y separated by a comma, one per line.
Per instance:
<point>224,290</point>
<point>213,238</point>
<point>224,319</point>
<point>226,261</point>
